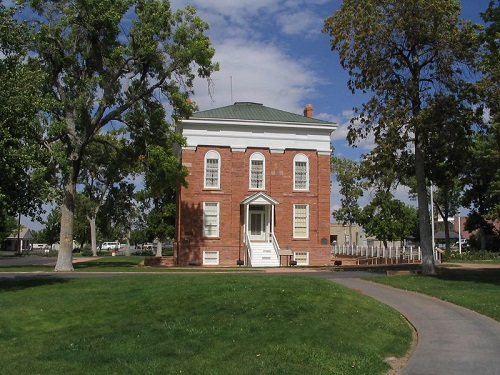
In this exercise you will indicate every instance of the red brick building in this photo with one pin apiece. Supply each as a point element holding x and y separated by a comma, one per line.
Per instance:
<point>259,188</point>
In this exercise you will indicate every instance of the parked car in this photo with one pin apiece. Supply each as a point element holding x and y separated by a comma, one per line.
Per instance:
<point>110,245</point>
<point>464,243</point>
<point>40,246</point>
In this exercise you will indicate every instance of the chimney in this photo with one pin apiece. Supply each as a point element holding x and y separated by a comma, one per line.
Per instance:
<point>308,111</point>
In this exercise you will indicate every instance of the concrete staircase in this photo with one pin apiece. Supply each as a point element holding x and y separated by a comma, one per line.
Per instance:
<point>264,255</point>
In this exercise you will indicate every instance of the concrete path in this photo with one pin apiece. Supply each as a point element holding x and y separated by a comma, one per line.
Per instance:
<point>451,340</point>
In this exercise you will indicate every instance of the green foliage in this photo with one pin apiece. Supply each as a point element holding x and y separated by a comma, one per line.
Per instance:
<point>86,251</point>
<point>50,232</point>
<point>25,167</point>
<point>116,69</point>
<point>389,219</point>
<point>415,58</point>
<point>471,255</point>
<point>348,175</point>
<point>482,172</point>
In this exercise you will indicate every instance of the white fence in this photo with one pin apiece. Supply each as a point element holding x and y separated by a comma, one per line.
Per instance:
<point>377,255</point>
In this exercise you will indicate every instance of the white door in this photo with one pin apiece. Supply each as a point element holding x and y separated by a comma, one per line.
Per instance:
<point>257,224</point>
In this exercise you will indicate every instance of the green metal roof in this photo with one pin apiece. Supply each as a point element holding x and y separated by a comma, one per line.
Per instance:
<point>255,112</point>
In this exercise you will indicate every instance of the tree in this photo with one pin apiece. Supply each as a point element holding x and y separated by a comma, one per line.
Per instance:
<point>24,163</point>
<point>485,166</point>
<point>410,56</point>
<point>447,200</point>
<point>104,60</point>
<point>348,175</point>
<point>50,233</point>
<point>388,219</point>
<point>108,163</point>
<point>482,175</point>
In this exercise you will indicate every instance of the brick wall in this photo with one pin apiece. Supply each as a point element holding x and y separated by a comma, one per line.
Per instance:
<point>235,188</point>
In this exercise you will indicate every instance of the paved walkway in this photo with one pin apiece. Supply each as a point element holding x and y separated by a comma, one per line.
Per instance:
<point>451,340</point>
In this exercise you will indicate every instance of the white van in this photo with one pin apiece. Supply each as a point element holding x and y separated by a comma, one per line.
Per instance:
<point>110,245</point>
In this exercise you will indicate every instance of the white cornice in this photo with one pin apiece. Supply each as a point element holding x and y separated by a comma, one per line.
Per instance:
<point>240,135</point>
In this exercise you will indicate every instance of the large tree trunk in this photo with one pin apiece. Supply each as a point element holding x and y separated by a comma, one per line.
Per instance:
<point>65,256</point>
<point>428,266</point>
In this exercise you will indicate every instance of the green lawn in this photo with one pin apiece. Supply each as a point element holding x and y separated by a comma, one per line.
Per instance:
<point>194,324</point>
<point>476,290</point>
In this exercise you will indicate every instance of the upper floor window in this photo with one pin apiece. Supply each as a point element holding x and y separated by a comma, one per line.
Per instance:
<point>301,172</point>
<point>212,170</point>
<point>257,171</point>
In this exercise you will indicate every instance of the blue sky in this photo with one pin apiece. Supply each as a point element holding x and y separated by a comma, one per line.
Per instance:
<point>273,52</point>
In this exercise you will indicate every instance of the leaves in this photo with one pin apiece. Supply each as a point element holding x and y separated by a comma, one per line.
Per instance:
<point>413,57</point>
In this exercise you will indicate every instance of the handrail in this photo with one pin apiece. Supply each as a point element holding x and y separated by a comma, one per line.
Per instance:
<point>276,246</point>
<point>248,249</point>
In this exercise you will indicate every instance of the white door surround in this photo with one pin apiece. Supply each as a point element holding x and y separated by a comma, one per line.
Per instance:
<point>258,211</point>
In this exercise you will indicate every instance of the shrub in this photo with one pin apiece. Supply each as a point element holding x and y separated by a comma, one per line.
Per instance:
<point>475,255</point>
<point>86,251</point>
<point>146,252</point>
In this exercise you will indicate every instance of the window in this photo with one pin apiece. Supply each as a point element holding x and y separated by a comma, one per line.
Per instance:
<point>211,219</point>
<point>301,172</point>
<point>210,258</point>
<point>301,221</point>
<point>302,257</point>
<point>212,170</point>
<point>257,171</point>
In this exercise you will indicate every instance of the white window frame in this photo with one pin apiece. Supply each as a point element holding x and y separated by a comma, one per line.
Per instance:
<point>211,232</point>
<point>257,156</point>
<point>300,158</point>
<point>211,155</point>
<point>298,256</point>
<point>210,258</point>
<point>298,234</point>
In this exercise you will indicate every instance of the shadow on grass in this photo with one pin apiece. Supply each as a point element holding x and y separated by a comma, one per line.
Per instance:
<point>20,282</point>
<point>104,264</point>
<point>478,275</point>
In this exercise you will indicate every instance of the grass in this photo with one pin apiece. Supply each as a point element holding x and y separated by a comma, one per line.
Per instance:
<point>478,290</point>
<point>194,324</point>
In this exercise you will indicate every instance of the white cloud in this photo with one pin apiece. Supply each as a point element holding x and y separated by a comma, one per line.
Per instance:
<point>300,23</point>
<point>260,72</point>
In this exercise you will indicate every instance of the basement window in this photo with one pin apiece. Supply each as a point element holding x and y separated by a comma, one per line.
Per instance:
<point>210,258</point>
<point>301,257</point>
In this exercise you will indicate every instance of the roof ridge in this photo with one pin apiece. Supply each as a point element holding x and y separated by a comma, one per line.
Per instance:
<point>251,111</point>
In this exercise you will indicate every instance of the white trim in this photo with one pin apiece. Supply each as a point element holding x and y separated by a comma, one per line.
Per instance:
<point>210,258</point>
<point>251,134</point>
<point>277,150</point>
<point>211,155</point>
<point>257,157</point>
<point>301,158</point>
<point>222,121</point>
<point>295,235</point>
<point>301,261</point>
<point>214,232</point>
<point>238,148</point>
<point>259,198</point>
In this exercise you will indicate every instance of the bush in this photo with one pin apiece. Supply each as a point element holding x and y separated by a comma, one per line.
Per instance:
<point>86,251</point>
<point>475,255</point>
<point>146,252</point>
